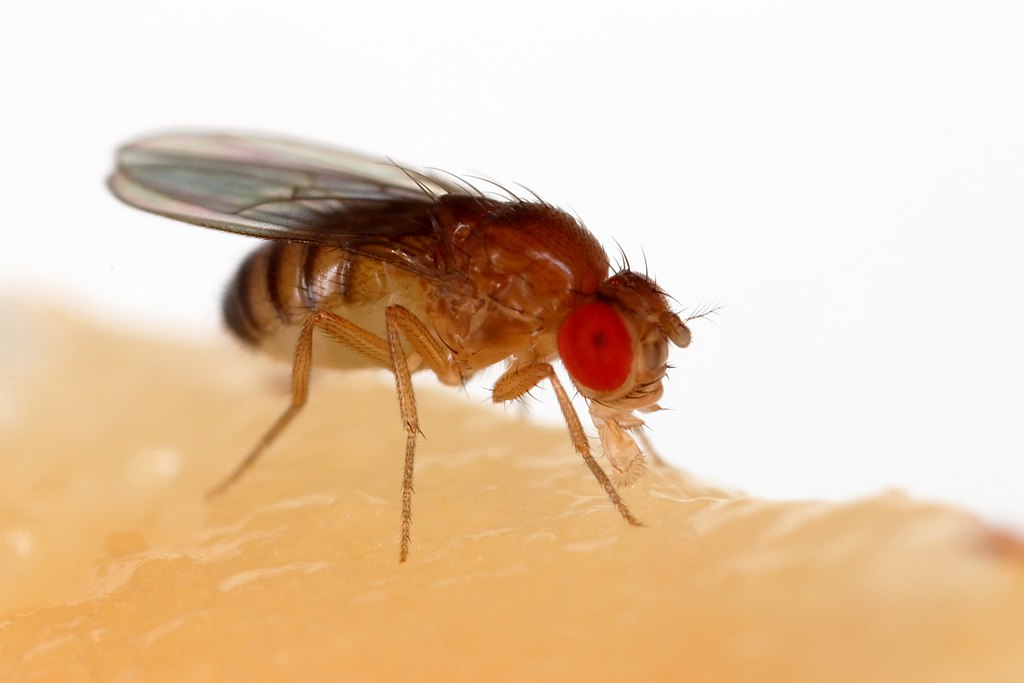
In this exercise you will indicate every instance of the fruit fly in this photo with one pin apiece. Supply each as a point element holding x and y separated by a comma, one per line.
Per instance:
<point>370,263</point>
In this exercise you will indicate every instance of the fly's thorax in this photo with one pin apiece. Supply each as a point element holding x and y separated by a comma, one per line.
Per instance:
<point>522,266</point>
<point>615,346</point>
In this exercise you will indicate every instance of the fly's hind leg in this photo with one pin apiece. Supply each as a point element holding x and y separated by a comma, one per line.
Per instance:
<point>337,328</point>
<point>517,381</point>
<point>387,353</point>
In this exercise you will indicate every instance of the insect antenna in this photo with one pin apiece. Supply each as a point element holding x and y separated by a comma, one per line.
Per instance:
<point>704,311</point>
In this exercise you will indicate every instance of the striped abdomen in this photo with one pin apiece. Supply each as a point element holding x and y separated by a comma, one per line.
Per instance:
<point>280,283</point>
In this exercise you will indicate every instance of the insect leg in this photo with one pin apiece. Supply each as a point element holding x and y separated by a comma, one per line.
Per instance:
<point>517,381</point>
<point>435,354</point>
<point>356,338</point>
<point>402,322</point>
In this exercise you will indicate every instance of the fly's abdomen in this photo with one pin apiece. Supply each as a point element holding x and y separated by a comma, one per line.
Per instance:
<point>272,290</point>
<point>281,283</point>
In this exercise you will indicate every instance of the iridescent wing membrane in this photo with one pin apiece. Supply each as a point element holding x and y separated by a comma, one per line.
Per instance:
<point>287,190</point>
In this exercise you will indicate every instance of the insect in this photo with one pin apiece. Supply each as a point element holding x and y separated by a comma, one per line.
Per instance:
<point>369,263</point>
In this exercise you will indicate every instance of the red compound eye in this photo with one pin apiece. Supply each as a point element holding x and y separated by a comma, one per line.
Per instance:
<point>595,347</point>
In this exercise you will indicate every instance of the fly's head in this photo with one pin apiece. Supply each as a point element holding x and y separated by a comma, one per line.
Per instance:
<point>615,348</point>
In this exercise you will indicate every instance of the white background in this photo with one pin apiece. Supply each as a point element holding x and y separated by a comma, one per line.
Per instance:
<point>845,178</point>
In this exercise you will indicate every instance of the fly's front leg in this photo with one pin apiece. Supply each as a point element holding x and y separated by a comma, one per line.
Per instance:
<point>401,322</point>
<point>517,381</point>
<point>337,328</point>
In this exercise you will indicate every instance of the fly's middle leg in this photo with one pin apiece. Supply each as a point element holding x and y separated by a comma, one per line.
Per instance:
<point>386,352</point>
<point>402,323</point>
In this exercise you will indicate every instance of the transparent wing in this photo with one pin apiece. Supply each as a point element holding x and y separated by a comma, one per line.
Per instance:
<point>289,190</point>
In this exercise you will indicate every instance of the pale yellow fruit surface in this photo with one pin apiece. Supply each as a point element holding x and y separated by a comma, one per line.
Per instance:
<point>113,567</point>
